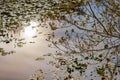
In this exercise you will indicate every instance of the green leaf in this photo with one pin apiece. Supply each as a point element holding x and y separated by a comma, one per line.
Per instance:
<point>100,55</point>
<point>100,71</point>
<point>72,30</point>
<point>106,46</point>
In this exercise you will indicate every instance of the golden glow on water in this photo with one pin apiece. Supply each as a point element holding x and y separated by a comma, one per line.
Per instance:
<point>30,31</point>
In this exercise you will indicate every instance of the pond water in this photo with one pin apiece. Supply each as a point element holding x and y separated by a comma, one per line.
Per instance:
<point>22,64</point>
<point>29,43</point>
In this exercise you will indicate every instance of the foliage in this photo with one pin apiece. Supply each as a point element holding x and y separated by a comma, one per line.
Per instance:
<point>81,29</point>
<point>91,30</point>
<point>14,15</point>
<point>38,75</point>
<point>4,53</point>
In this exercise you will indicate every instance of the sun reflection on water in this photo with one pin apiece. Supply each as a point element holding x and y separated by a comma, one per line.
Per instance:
<point>30,30</point>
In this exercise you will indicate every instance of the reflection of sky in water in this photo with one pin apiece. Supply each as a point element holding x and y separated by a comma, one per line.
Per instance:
<point>22,64</point>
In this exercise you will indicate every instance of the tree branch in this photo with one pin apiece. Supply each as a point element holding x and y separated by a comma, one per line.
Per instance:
<point>97,32</point>
<point>97,18</point>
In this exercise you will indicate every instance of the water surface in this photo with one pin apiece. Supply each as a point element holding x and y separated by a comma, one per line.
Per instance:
<point>22,64</point>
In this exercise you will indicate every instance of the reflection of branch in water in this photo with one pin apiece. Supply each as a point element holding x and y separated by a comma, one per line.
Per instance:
<point>38,75</point>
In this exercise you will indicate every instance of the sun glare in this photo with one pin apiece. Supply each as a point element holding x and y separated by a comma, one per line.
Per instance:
<point>30,31</point>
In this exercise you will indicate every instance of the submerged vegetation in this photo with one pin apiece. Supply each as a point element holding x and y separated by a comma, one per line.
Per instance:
<point>85,34</point>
